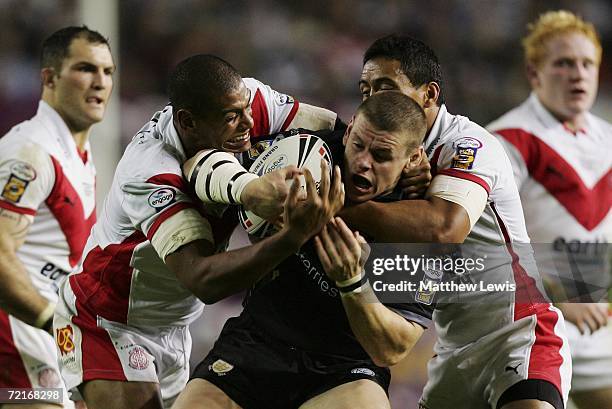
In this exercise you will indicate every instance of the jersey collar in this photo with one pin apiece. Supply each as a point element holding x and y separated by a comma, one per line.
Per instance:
<point>548,120</point>
<point>435,133</point>
<point>169,134</point>
<point>56,126</point>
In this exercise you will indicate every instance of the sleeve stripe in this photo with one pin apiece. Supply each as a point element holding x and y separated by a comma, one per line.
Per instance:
<point>467,176</point>
<point>292,113</point>
<point>21,210</point>
<point>164,215</point>
<point>194,174</point>
<point>231,184</point>
<point>170,179</point>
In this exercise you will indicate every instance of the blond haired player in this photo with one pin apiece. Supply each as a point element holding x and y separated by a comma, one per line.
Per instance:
<point>562,155</point>
<point>47,205</point>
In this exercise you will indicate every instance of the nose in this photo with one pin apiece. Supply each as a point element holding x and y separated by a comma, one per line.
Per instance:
<point>101,80</point>
<point>363,162</point>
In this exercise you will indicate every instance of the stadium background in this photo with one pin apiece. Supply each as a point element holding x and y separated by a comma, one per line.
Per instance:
<point>310,49</point>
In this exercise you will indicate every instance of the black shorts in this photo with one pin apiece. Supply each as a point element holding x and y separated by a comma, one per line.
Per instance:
<point>258,372</point>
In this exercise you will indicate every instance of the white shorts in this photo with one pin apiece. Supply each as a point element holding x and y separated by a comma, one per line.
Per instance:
<point>90,347</point>
<point>591,357</point>
<point>27,357</point>
<point>476,375</point>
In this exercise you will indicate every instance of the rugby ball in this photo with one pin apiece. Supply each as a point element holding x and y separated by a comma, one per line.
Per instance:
<point>303,151</point>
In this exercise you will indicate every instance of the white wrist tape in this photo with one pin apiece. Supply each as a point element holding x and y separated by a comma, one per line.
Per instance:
<point>217,177</point>
<point>44,316</point>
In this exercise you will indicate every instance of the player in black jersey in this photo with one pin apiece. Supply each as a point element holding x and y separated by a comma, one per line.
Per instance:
<point>293,346</point>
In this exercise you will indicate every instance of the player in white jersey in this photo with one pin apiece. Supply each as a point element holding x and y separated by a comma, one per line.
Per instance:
<point>562,160</point>
<point>487,356</point>
<point>152,255</point>
<point>47,204</point>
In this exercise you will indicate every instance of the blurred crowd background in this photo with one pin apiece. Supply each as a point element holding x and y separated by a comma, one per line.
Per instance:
<point>310,49</point>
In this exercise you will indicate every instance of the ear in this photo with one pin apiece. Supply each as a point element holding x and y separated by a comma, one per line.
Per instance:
<point>185,119</point>
<point>47,76</point>
<point>432,93</point>
<point>415,158</point>
<point>348,131</point>
<point>532,75</point>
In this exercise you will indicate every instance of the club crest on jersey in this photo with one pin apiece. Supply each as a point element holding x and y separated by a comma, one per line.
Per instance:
<point>220,367</point>
<point>423,295</point>
<point>161,198</point>
<point>465,153</point>
<point>258,148</point>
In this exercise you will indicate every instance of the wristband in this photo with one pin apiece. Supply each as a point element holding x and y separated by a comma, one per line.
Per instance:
<point>352,285</point>
<point>346,283</point>
<point>359,287</point>
<point>45,317</point>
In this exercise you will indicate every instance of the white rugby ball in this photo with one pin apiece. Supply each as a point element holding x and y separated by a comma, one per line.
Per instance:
<point>303,151</point>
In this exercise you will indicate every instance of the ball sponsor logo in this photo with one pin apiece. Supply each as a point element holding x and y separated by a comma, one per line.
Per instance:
<point>161,198</point>
<point>277,163</point>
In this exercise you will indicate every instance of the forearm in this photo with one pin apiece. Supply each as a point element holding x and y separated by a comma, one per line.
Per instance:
<point>215,277</point>
<point>386,336</point>
<point>406,221</point>
<point>18,297</point>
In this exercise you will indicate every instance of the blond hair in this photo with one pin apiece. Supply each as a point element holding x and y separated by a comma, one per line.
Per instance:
<point>554,23</point>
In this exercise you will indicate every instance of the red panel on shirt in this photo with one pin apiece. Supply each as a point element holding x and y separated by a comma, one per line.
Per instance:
<point>260,116</point>
<point>106,278</point>
<point>65,204</point>
<point>588,206</point>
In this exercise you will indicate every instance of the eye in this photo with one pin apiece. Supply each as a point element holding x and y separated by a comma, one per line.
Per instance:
<point>357,145</point>
<point>365,92</point>
<point>231,118</point>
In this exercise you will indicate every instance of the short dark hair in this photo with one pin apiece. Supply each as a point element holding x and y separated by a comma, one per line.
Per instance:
<point>418,61</point>
<point>393,111</point>
<point>198,81</point>
<point>56,47</point>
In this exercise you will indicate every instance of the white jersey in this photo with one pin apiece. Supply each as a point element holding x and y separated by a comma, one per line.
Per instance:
<point>462,149</point>
<point>42,174</point>
<point>148,214</point>
<point>520,329</point>
<point>565,182</point>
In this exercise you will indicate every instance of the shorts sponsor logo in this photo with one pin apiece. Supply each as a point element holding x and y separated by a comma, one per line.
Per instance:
<point>161,198</point>
<point>138,358</point>
<point>14,188</point>
<point>363,371</point>
<point>64,337</point>
<point>23,171</point>
<point>220,367</point>
<point>465,153</point>
<point>48,378</point>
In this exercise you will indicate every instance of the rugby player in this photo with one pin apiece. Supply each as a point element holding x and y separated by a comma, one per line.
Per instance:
<point>487,356</point>
<point>47,204</point>
<point>154,251</point>
<point>562,159</point>
<point>293,346</point>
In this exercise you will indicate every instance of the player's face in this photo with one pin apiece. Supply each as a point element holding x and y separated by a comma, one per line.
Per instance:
<point>229,127</point>
<point>83,86</point>
<point>382,74</point>
<point>566,81</point>
<point>373,160</point>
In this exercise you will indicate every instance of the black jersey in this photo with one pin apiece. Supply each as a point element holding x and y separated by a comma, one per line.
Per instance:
<point>297,303</point>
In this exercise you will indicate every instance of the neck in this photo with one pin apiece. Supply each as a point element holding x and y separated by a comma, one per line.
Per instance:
<point>431,114</point>
<point>575,123</point>
<point>182,137</point>
<point>80,135</point>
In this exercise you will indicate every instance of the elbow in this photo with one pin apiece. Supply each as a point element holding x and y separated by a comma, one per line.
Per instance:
<point>447,234</point>
<point>389,358</point>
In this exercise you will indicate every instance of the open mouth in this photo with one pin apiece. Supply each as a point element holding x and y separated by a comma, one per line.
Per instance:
<point>578,91</point>
<point>94,100</point>
<point>361,184</point>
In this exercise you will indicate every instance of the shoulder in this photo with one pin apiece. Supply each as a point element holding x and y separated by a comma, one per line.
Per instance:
<point>147,158</point>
